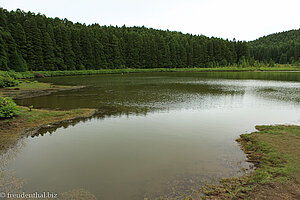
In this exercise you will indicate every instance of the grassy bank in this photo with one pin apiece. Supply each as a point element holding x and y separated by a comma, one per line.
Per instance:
<point>11,130</point>
<point>32,89</point>
<point>275,152</point>
<point>20,75</point>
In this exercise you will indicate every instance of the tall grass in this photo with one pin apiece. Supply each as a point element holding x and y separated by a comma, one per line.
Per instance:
<point>21,75</point>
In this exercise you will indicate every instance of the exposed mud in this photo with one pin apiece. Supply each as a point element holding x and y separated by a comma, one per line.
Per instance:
<point>29,93</point>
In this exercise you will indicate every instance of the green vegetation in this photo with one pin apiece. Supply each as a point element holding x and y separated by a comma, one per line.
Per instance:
<point>8,108</point>
<point>25,75</point>
<point>8,82</point>
<point>280,48</point>
<point>275,152</point>
<point>34,85</point>
<point>15,120</point>
<point>32,88</point>
<point>16,75</point>
<point>13,129</point>
<point>35,42</point>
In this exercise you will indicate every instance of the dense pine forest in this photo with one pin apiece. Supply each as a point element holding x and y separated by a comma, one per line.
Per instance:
<point>35,42</point>
<point>281,47</point>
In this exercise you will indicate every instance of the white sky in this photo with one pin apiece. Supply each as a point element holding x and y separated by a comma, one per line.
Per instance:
<point>240,19</point>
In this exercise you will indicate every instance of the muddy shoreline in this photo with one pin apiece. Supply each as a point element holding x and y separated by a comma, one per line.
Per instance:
<point>30,93</point>
<point>275,153</point>
<point>29,123</point>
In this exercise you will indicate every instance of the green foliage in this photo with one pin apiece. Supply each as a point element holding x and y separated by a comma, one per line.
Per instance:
<point>39,43</point>
<point>59,45</point>
<point>24,75</point>
<point>8,82</point>
<point>281,48</point>
<point>30,108</point>
<point>271,63</point>
<point>8,108</point>
<point>17,75</point>
<point>17,63</point>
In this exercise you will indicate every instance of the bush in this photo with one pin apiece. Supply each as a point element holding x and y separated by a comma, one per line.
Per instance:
<point>8,82</point>
<point>8,107</point>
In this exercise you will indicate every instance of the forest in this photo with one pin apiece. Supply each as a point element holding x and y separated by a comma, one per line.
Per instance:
<point>34,42</point>
<point>281,47</point>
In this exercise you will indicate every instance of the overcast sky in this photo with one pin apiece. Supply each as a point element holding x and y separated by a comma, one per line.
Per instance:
<point>240,19</point>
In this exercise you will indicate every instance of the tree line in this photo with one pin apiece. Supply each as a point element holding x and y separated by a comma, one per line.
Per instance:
<point>34,42</point>
<point>30,41</point>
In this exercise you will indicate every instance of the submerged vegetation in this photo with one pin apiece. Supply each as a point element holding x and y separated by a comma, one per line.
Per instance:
<point>32,88</point>
<point>275,152</point>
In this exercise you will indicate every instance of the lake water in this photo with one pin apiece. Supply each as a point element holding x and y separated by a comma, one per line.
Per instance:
<point>156,134</point>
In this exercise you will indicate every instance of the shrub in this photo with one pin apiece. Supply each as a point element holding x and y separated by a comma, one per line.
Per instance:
<point>8,82</point>
<point>8,107</point>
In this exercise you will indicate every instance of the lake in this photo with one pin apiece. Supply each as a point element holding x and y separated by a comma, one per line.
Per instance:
<point>156,134</point>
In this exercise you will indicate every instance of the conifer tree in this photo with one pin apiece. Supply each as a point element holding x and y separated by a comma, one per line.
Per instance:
<point>3,54</point>
<point>17,63</point>
<point>48,53</point>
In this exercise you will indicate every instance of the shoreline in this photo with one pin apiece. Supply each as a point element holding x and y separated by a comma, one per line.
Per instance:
<point>275,152</point>
<point>28,123</point>
<point>40,74</point>
<point>274,168</point>
<point>34,89</point>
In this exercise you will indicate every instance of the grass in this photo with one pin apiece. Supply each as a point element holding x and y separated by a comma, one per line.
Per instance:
<point>32,88</point>
<point>20,75</point>
<point>31,85</point>
<point>11,130</point>
<point>275,152</point>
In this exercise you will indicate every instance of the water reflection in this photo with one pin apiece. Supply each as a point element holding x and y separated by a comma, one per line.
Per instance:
<point>155,135</point>
<point>9,182</point>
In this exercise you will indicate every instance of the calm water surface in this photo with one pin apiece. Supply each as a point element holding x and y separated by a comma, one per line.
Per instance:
<point>156,134</point>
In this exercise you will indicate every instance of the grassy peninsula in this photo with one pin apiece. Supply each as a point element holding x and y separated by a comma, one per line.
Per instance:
<point>11,130</point>
<point>30,119</point>
<point>275,152</point>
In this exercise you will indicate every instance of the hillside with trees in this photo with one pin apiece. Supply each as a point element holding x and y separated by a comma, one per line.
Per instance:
<point>281,47</point>
<point>30,41</point>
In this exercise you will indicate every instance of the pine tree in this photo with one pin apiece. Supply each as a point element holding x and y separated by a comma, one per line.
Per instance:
<point>48,53</point>
<point>34,56</point>
<point>67,51</point>
<point>20,38</point>
<point>86,48</point>
<point>59,61</point>
<point>17,63</point>
<point>3,54</point>
<point>3,18</point>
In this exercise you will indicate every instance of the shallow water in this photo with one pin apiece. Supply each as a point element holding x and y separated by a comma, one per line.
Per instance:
<point>157,134</point>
